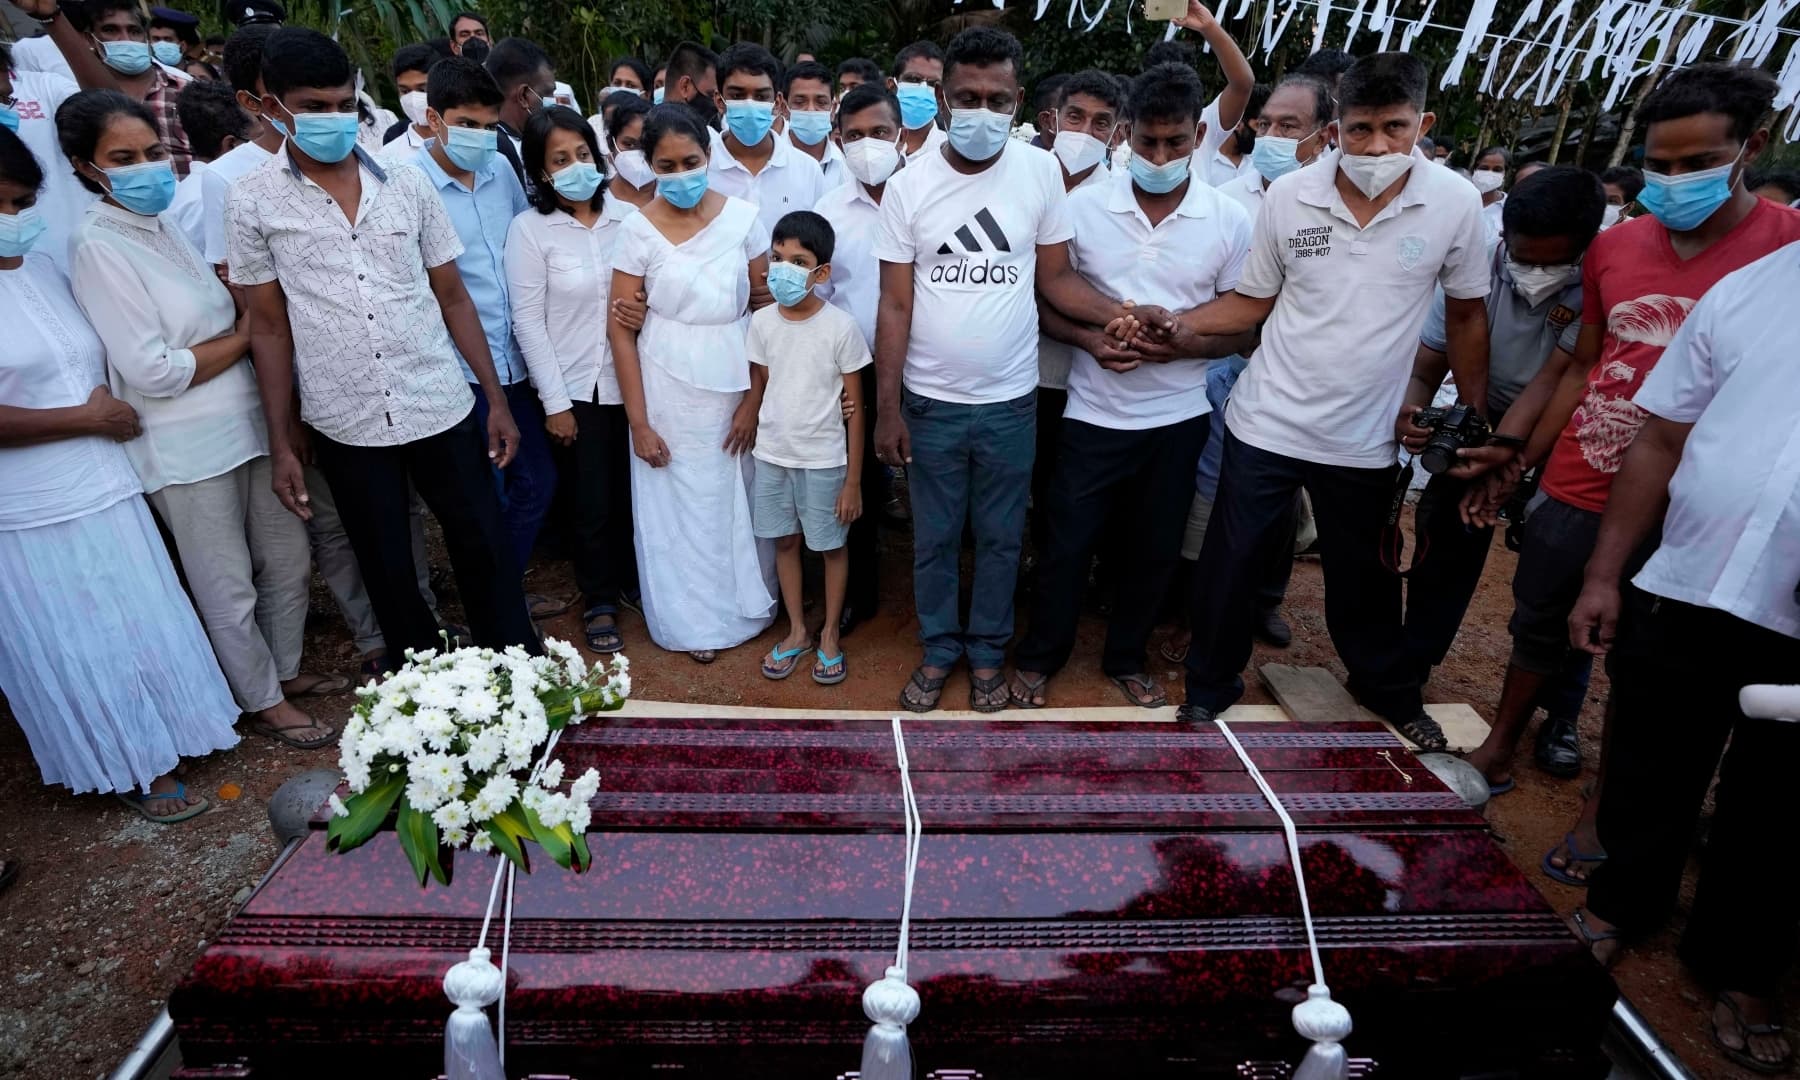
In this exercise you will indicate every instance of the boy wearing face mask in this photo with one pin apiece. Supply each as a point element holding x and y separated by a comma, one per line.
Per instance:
<point>809,120</point>
<point>411,65</point>
<point>918,69</point>
<point>750,161</point>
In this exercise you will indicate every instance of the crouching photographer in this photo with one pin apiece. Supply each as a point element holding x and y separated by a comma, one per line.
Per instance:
<point>1534,319</point>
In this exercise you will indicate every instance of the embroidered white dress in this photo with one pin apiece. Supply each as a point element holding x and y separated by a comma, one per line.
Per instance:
<point>707,582</point>
<point>101,657</point>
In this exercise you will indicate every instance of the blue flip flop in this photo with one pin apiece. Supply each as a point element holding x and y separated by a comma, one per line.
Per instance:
<point>1502,787</point>
<point>831,661</point>
<point>780,663</point>
<point>136,802</point>
<point>1558,873</point>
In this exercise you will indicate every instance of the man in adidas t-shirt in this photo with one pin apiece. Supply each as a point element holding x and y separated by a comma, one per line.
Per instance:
<point>969,235</point>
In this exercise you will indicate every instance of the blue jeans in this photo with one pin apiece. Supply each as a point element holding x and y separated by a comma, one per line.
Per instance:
<point>527,484</point>
<point>970,463</point>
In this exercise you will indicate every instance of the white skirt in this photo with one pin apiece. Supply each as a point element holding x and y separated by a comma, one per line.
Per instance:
<point>101,656</point>
<point>707,581</point>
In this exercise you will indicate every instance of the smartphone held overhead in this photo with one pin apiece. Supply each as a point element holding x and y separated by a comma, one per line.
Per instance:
<point>1166,10</point>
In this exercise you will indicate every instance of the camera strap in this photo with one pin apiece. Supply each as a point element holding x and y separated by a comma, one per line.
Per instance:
<point>1393,537</point>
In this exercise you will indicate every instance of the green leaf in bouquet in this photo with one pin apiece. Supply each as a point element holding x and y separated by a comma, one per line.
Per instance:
<point>578,843</point>
<point>510,830</point>
<point>419,839</point>
<point>555,842</point>
<point>508,844</point>
<point>367,811</point>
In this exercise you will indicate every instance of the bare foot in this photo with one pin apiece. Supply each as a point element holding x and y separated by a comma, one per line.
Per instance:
<point>1751,1026</point>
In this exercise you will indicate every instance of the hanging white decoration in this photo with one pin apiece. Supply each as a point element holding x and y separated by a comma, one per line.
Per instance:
<point>890,1002</point>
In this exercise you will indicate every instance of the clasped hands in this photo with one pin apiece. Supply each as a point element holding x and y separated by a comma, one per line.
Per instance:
<point>1138,334</point>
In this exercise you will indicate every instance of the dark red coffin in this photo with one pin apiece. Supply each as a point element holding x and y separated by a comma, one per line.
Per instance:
<point>1092,901</point>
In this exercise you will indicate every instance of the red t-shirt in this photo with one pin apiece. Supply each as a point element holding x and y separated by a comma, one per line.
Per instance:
<point>1633,281</point>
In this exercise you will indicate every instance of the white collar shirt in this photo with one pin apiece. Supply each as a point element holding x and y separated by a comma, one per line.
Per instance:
<point>934,138</point>
<point>559,280</point>
<point>1055,357</point>
<point>186,212</point>
<point>789,180</point>
<point>1210,163</point>
<point>1350,301</point>
<point>1247,190</point>
<point>1191,256</point>
<point>855,283</point>
<point>831,164</point>
<point>215,187</point>
<point>371,352</point>
<point>1731,538</point>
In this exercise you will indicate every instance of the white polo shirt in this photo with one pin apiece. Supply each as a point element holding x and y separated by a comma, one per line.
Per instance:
<point>1247,191</point>
<point>1336,352</point>
<point>1055,357</point>
<point>1209,164</point>
<point>1183,261</point>
<point>855,283</point>
<point>215,189</point>
<point>831,166</point>
<point>972,242</point>
<point>789,181</point>
<point>934,138</point>
<point>1731,539</point>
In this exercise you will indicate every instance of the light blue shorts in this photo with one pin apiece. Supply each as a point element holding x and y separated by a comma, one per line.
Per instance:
<point>786,501</point>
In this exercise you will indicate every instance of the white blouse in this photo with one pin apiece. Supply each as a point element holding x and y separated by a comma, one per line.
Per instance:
<point>151,299</point>
<point>559,278</point>
<point>52,360</point>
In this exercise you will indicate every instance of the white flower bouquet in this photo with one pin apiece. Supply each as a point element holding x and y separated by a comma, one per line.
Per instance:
<point>459,741</point>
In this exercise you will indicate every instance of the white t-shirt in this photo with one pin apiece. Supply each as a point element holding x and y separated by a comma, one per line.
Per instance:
<point>972,242</point>
<point>215,186</point>
<point>789,181</point>
<point>39,54</point>
<point>62,201</point>
<point>1338,347</point>
<point>801,425</point>
<point>185,211</point>
<point>855,283</point>
<point>1247,191</point>
<point>1054,357</point>
<point>1731,539</point>
<point>1208,164</point>
<point>1187,259</point>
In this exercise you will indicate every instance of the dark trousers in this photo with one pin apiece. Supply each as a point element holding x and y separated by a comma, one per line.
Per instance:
<point>1050,405</point>
<point>452,473</point>
<point>599,468</point>
<point>1148,476</point>
<point>1362,596</point>
<point>864,591</point>
<point>1676,671</point>
<point>528,482</point>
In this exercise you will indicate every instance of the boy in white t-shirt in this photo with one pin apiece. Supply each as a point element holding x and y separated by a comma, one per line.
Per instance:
<point>804,356</point>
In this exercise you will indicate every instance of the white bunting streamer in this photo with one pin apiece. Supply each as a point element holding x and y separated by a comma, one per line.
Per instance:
<point>890,1002</point>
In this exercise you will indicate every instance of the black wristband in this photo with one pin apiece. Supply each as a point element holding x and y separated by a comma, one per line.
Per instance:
<point>46,20</point>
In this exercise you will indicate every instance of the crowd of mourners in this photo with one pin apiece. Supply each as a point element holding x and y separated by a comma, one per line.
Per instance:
<point>1117,332</point>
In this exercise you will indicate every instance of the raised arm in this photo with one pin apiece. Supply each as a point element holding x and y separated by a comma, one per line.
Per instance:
<point>89,72</point>
<point>1240,78</point>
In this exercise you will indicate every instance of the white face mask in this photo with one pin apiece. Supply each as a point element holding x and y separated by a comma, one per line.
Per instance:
<point>1610,216</point>
<point>1535,284</point>
<point>413,105</point>
<point>871,161</point>
<point>633,169</point>
<point>1374,173</point>
<point>1487,180</point>
<point>1078,151</point>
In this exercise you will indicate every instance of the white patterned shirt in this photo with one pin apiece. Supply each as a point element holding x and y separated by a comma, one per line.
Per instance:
<point>371,352</point>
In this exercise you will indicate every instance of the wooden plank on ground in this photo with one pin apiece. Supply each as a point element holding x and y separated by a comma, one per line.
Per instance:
<point>1311,694</point>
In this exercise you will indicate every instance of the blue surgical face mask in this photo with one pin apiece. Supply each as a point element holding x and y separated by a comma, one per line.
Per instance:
<point>790,283</point>
<point>471,148</point>
<point>656,96</point>
<point>18,232</point>
<point>918,104</point>
<point>1274,157</point>
<point>683,189</point>
<point>1159,179</point>
<point>749,121</point>
<point>146,188</point>
<point>809,126</point>
<point>166,52</point>
<point>979,134</point>
<point>9,118</point>
<point>1684,202</point>
<point>327,138</point>
<point>127,57</point>
<point>576,181</point>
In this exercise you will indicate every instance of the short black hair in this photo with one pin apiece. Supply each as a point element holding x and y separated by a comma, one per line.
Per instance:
<point>532,152</point>
<point>862,66</point>
<point>17,164</point>
<point>622,114</point>
<point>418,56</point>
<point>919,49</point>
<point>612,99</point>
<point>186,32</point>
<point>1046,96</point>
<point>982,46</point>
<point>296,56</point>
<point>673,118</point>
<point>866,96</point>
<point>1739,91</point>
<point>1383,79</point>
<point>84,117</point>
<point>1558,200</point>
<point>638,68</point>
<point>748,56</point>
<point>460,16</point>
<point>243,57</point>
<point>456,82</point>
<point>1168,92</point>
<point>1094,83</point>
<point>1626,178</point>
<point>97,8</point>
<point>1327,64</point>
<point>209,112</point>
<point>811,231</point>
<point>1505,157</point>
<point>514,61</point>
<point>1787,180</point>
<point>1169,52</point>
<point>806,69</point>
<point>1324,108</point>
<point>689,61</point>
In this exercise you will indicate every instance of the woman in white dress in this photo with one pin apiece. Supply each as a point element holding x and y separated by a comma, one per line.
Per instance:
<point>177,353</point>
<point>558,270</point>
<point>706,581</point>
<point>101,657</point>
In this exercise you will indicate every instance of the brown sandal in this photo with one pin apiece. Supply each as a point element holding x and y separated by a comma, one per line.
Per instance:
<point>928,690</point>
<point>1138,687</point>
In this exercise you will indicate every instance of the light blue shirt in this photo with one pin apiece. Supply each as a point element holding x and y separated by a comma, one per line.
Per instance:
<point>482,218</point>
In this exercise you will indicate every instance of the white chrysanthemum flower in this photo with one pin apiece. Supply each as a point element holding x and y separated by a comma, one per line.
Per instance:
<point>424,795</point>
<point>554,811</point>
<point>485,750</point>
<point>478,703</point>
<point>481,842</point>
<point>454,837</point>
<point>338,809</point>
<point>585,787</point>
<point>552,776</point>
<point>451,815</point>
<point>500,791</point>
<point>580,816</point>
<point>356,773</point>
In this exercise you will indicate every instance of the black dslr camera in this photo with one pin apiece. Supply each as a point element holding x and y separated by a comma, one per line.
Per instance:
<point>1452,429</point>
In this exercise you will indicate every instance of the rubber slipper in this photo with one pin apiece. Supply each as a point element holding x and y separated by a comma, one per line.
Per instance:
<point>1741,1054</point>
<point>843,670</point>
<point>136,802</point>
<point>280,735</point>
<point>780,663</point>
<point>543,607</point>
<point>324,687</point>
<point>1592,937</point>
<point>1502,787</point>
<point>1033,687</point>
<point>1561,873</point>
<point>1173,653</point>
<point>980,689</point>
<point>704,656</point>
<point>1135,687</point>
<point>930,690</point>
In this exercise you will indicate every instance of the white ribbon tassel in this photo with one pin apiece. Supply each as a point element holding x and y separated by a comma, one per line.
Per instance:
<point>1318,1018</point>
<point>469,1049</point>
<point>891,1003</point>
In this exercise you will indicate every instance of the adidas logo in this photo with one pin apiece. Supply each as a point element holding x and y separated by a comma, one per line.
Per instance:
<point>966,237</point>
<point>968,240</point>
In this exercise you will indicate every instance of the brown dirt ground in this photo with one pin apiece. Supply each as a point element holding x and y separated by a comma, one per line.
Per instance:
<point>110,910</point>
